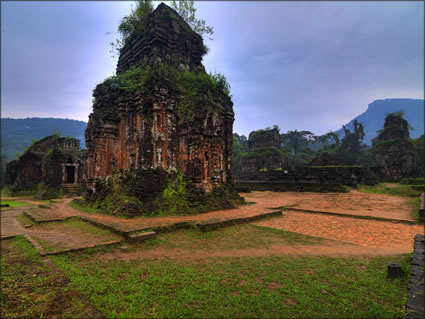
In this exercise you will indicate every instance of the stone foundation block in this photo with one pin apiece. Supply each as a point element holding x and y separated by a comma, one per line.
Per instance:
<point>141,237</point>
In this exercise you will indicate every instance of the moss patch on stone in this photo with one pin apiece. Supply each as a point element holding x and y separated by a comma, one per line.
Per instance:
<point>192,88</point>
<point>156,192</point>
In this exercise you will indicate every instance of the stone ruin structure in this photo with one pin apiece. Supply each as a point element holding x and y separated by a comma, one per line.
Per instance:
<point>265,167</point>
<point>53,162</point>
<point>161,114</point>
<point>264,152</point>
<point>323,159</point>
<point>395,155</point>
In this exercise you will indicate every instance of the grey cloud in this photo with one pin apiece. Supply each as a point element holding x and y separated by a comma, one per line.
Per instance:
<point>301,65</point>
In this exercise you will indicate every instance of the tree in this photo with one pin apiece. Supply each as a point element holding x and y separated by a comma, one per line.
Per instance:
<point>187,10</point>
<point>328,139</point>
<point>135,20</point>
<point>296,141</point>
<point>351,149</point>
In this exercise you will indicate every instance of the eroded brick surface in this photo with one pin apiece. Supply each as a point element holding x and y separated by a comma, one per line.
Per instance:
<point>146,129</point>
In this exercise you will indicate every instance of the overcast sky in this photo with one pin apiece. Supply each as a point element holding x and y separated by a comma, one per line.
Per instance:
<point>301,65</point>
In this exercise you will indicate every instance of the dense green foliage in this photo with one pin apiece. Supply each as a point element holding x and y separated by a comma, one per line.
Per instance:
<point>187,10</point>
<point>135,22</point>
<point>240,145</point>
<point>300,147</point>
<point>263,133</point>
<point>419,144</point>
<point>157,192</point>
<point>413,181</point>
<point>296,141</point>
<point>194,88</point>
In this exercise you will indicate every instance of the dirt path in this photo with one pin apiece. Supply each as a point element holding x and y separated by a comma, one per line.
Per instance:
<point>356,237</point>
<point>126,224</point>
<point>9,225</point>
<point>352,203</point>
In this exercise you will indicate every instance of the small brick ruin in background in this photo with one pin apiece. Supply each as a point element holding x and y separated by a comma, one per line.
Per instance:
<point>53,162</point>
<point>264,151</point>
<point>395,154</point>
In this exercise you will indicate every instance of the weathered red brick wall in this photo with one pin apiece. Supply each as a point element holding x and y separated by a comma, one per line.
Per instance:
<point>150,140</point>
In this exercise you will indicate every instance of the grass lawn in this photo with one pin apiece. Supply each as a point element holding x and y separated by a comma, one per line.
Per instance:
<point>264,287</point>
<point>234,237</point>
<point>14,203</point>
<point>396,190</point>
<point>272,286</point>
<point>84,208</point>
<point>32,289</point>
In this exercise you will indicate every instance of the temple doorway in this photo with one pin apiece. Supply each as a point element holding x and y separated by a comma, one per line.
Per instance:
<point>70,174</point>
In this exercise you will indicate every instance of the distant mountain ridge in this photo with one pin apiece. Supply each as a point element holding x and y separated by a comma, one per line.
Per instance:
<point>374,117</point>
<point>17,134</point>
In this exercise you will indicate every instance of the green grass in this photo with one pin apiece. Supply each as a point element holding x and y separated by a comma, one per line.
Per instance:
<point>24,220</point>
<point>313,287</point>
<point>31,289</point>
<point>398,190</point>
<point>46,246</point>
<point>79,225</point>
<point>234,237</point>
<point>14,203</point>
<point>413,181</point>
<point>415,204</point>
<point>276,286</point>
<point>84,208</point>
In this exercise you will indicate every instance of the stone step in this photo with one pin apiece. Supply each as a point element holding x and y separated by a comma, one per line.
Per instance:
<point>70,188</point>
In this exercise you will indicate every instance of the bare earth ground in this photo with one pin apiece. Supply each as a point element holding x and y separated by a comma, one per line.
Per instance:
<point>353,236</point>
<point>352,203</point>
<point>9,225</point>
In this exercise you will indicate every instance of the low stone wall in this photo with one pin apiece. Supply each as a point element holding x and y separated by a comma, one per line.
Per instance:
<point>309,178</point>
<point>415,289</point>
<point>277,186</point>
<point>344,175</point>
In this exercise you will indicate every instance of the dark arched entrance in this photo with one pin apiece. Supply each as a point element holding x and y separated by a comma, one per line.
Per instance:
<point>70,174</point>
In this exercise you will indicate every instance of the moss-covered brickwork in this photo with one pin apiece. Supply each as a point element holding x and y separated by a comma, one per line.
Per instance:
<point>395,154</point>
<point>159,139</point>
<point>264,151</point>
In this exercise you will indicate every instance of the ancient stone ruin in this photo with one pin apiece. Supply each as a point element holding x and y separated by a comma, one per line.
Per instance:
<point>395,155</point>
<point>162,115</point>
<point>266,167</point>
<point>264,151</point>
<point>48,165</point>
<point>323,159</point>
